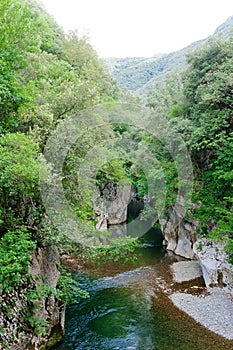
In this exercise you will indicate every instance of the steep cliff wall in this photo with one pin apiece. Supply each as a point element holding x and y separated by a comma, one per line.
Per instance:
<point>179,234</point>
<point>110,207</point>
<point>24,327</point>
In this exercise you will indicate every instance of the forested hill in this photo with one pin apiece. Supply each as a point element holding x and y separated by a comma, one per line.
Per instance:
<point>141,74</point>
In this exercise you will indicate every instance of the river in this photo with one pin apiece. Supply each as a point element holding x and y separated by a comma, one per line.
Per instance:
<point>129,309</point>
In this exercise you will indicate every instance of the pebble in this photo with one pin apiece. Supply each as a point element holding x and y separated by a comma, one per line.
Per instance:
<point>213,311</point>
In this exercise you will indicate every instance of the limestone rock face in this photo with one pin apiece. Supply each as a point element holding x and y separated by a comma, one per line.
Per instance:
<point>179,235</point>
<point>44,270</point>
<point>17,332</point>
<point>217,272</point>
<point>110,206</point>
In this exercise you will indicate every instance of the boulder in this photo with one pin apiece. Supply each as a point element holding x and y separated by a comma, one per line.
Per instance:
<point>184,271</point>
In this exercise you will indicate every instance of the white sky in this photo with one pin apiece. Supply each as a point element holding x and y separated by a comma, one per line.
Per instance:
<point>121,28</point>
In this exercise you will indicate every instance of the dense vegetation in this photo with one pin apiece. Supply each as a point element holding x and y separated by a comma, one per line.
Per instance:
<point>199,106</point>
<point>46,76</point>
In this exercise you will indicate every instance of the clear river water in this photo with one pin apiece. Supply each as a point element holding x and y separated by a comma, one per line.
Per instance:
<point>129,309</point>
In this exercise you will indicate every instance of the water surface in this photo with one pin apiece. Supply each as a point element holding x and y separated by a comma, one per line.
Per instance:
<point>129,309</point>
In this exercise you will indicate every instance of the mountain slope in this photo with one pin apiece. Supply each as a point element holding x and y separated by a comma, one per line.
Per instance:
<point>141,74</point>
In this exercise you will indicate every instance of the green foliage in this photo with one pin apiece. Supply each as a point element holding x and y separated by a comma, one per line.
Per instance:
<point>51,36</point>
<point>208,90</point>
<point>90,69</point>
<point>11,97</point>
<point>44,75</point>
<point>167,96</point>
<point>199,246</point>
<point>42,291</point>
<point>119,249</point>
<point>112,172</point>
<point>58,89</point>
<point>19,34</point>
<point>69,290</point>
<point>199,106</point>
<point>19,181</point>
<point>15,256</point>
<point>224,230</point>
<point>38,324</point>
<point>139,181</point>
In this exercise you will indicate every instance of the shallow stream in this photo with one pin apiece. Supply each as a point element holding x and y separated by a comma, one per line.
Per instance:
<point>129,309</point>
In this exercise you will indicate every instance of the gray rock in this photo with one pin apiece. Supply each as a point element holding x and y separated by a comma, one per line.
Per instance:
<point>179,235</point>
<point>44,270</point>
<point>217,272</point>
<point>14,305</point>
<point>110,206</point>
<point>186,271</point>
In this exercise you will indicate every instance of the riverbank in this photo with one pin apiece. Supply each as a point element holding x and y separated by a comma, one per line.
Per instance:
<point>211,307</point>
<point>213,310</point>
<point>129,306</point>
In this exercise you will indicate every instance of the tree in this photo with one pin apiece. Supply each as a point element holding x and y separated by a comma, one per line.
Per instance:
<point>19,182</point>
<point>18,35</point>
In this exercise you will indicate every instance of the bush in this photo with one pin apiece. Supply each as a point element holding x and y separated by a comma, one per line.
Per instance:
<point>14,258</point>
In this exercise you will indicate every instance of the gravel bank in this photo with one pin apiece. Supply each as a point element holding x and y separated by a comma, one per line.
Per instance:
<point>214,311</point>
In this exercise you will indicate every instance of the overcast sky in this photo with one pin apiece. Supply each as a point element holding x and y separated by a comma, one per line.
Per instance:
<point>120,28</point>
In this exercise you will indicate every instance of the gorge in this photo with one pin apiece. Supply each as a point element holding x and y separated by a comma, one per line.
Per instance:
<point>125,196</point>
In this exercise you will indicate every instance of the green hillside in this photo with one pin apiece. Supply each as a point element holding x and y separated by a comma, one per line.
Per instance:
<point>141,74</point>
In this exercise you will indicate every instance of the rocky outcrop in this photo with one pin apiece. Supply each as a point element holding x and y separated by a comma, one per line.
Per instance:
<point>44,271</point>
<point>217,272</point>
<point>179,235</point>
<point>110,206</point>
<point>26,327</point>
<point>12,314</point>
<point>181,238</point>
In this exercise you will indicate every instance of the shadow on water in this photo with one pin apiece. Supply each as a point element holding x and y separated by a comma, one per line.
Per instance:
<point>135,227</point>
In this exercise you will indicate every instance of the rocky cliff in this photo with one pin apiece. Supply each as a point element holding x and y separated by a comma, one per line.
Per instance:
<point>31,318</point>
<point>111,204</point>
<point>181,238</point>
<point>179,235</point>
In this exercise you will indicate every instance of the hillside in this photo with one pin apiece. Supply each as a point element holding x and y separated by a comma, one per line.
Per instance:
<point>141,74</point>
